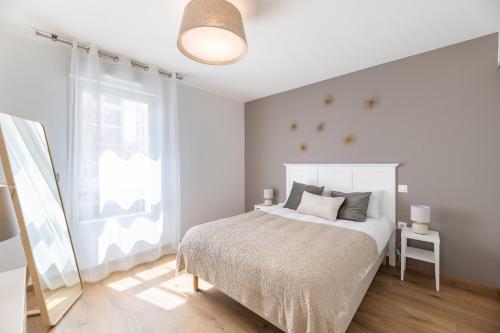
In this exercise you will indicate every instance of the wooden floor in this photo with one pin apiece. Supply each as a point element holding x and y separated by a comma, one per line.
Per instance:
<point>149,298</point>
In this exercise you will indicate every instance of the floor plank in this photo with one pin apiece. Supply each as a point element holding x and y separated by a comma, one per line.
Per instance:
<point>149,298</point>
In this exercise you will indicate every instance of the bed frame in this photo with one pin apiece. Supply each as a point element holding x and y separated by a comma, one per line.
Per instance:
<point>352,178</point>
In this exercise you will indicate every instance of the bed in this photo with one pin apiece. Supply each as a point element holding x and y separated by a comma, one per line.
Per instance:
<point>300,272</point>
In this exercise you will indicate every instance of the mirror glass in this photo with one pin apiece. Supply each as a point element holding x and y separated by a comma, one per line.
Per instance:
<point>42,215</point>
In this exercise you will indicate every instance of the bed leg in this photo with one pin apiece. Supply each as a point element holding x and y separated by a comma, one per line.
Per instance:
<point>392,249</point>
<point>384,263</point>
<point>195,283</point>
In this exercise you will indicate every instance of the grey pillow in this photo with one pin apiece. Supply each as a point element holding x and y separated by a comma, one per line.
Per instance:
<point>298,189</point>
<point>354,207</point>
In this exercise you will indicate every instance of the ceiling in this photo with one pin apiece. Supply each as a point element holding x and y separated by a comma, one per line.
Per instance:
<point>292,43</point>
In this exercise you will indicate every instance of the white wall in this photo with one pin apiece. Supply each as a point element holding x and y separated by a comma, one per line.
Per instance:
<point>212,156</point>
<point>33,84</point>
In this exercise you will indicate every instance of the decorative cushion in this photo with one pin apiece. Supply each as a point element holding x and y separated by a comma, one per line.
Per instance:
<point>320,206</point>
<point>354,207</point>
<point>295,196</point>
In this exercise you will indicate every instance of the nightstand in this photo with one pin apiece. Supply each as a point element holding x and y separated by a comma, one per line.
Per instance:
<point>419,254</point>
<point>260,206</point>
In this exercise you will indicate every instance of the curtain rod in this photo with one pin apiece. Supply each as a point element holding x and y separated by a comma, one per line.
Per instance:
<point>102,53</point>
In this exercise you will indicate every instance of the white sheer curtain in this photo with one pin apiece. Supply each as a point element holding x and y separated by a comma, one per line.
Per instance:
<point>123,166</point>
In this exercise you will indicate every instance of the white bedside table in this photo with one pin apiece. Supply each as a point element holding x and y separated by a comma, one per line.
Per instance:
<point>260,206</point>
<point>419,254</point>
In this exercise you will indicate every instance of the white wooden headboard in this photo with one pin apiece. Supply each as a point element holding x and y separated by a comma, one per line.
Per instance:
<point>380,178</point>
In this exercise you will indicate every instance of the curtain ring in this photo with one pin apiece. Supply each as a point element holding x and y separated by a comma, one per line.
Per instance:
<point>116,59</point>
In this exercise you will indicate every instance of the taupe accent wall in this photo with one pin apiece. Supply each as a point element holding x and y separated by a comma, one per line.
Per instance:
<point>439,116</point>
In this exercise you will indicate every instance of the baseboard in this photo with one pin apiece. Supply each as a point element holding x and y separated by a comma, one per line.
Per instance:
<point>461,282</point>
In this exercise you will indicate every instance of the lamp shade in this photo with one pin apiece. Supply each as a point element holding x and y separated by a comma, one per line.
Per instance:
<point>212,32</point>
<point>8,220</point>
<point>268,193</point>
<point>421,213</point>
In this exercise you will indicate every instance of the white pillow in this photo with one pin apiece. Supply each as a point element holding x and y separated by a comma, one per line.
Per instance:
<point>374,203</point>
<point>320,206</point>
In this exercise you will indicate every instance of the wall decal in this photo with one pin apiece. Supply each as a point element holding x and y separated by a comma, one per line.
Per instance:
<point>302,147</point>
<point>320,127</point>
<point>328,99</point>
<point>348,139</point>
<point>370,103</point>
<point>293,126</point>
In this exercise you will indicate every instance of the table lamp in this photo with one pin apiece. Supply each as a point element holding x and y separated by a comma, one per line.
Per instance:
<point>8,220</point>
<point>268,196</point>
<point>421,217</point>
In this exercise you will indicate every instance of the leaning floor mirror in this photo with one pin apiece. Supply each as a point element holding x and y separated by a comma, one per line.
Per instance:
<point>29,172</point>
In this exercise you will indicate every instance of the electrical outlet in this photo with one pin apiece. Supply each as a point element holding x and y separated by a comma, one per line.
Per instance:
<point>403,188</point>
<point>402,224</point>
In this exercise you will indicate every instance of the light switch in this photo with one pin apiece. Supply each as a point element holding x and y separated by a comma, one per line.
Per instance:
<point>403,188</point>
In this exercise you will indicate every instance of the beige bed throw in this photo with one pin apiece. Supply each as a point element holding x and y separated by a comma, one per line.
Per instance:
<point>300,276</point>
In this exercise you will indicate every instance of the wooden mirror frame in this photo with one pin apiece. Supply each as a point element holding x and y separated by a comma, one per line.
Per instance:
<point>49,319</point>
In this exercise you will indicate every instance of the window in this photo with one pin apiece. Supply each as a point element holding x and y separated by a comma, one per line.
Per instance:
<point>115,142</point>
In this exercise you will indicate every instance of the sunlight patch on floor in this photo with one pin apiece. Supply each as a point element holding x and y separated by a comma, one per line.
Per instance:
<point>124,283</point>
<point>184,283</point>
<point>154,272</point>
<point>164,299</point>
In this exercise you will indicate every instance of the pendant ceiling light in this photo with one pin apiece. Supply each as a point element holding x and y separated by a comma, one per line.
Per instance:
<point>212,32</point>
